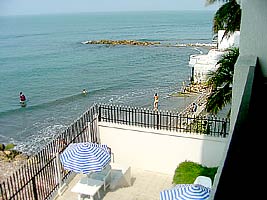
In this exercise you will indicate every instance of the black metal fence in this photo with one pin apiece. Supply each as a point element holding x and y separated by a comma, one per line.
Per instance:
<point>164,120</point>
<point>42,176</point>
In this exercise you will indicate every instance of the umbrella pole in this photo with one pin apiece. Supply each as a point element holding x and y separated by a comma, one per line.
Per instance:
<point>88,176</point>
<point>62,187</point>
<point>59,177</point>
<point>96,129</point>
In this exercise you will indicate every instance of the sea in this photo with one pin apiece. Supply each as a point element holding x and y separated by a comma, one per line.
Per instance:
<point>44,56</point>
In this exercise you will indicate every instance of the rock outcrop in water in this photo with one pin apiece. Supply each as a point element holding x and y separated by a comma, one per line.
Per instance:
<point>121,42</point>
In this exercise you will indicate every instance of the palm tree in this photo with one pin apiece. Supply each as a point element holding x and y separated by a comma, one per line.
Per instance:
<point>227,17</point>
<point>221,81</point>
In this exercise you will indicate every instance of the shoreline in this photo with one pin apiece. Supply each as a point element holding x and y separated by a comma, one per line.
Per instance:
<point>8,167</point>
<point>200,91</point>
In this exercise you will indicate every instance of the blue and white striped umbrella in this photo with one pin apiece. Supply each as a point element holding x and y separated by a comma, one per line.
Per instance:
<point>186,192</point>
<point>85,157</point>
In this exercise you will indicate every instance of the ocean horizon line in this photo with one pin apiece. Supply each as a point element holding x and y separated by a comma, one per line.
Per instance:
<point>109,12</point>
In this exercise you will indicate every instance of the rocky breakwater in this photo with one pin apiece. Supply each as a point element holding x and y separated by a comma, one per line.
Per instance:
<point>121,42</point>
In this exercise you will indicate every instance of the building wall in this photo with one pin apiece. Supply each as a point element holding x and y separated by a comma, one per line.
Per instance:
<point>159,151</point>
<point>248,98</point>
<point>253,31</point>
<point>203,64</point>
<point>232,41</point>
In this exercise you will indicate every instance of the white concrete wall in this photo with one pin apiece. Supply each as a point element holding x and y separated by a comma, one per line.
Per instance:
<point>201,72</point>
<point>159,151</point>
<point>203,64</point>
<point>253,31</point>
<point>232,41</point>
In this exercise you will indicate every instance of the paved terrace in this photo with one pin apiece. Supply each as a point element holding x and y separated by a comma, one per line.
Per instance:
<point>145,185</point>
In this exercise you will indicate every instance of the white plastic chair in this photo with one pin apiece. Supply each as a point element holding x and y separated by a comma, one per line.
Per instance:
<point>204,180</point>
<point>104,175</point>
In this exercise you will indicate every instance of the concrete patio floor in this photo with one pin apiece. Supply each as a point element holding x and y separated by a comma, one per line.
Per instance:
<point>145,185</point>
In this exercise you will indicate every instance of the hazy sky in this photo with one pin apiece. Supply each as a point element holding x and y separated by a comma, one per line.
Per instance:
<point>21,7</point>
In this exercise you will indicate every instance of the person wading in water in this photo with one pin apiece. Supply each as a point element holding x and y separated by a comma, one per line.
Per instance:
<point>156,102</point>
<point>22,99</point>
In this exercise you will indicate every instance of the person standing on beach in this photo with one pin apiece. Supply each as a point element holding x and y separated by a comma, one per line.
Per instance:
<point>194,108</point>
<point>156,102</point>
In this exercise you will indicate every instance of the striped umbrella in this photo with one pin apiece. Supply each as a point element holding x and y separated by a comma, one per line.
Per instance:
<point>186,192</point>
<point>85,157</point>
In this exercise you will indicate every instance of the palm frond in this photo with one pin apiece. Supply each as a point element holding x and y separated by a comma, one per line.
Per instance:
<point>221,81</point>
<point>228,18</point>
<point>219,98</point>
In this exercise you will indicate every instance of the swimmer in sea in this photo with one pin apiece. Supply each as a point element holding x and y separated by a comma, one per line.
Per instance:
<point>84,91</point>
<point>22,99</point>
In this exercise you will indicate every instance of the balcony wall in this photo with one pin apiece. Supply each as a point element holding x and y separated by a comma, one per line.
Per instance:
<point>247,149</point>
<point>157,150</point>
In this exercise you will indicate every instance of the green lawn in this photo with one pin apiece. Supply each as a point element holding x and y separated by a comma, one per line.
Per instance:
<point>187,172</point>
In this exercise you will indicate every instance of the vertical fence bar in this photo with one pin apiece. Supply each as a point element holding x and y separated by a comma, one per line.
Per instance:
<point>11,186</point>
<point>108,113</point>
<point>34,188</point>
<point>99,113</point>
<point>113,114</point>
<point>148,118</point>
<point>4,190</point>
<point>132,120</point>
<point>140,118</point>
<point>170,123</point>
<point>126,114</point>
<point>157,122</point>
<point>120,114</point>
<point>145,118</point>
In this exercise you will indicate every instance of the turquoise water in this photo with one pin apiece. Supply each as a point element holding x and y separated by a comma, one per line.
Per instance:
<point>43,56</point>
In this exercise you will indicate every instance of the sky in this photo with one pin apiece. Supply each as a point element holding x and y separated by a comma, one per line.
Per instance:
<point>29,7</point>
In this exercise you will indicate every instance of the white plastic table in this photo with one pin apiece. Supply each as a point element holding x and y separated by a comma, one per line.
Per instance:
<point>88,186</point>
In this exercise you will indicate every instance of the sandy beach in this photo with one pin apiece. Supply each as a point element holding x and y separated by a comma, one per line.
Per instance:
<point>8,168</point>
